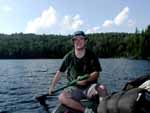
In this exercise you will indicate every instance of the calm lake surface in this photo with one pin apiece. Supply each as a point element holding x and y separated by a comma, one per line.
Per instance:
<point>22,80</point>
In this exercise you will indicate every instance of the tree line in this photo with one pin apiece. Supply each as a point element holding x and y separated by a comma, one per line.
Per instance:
<point>105,45</point>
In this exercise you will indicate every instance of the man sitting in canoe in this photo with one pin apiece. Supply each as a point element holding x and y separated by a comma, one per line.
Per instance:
<point>78,62</point>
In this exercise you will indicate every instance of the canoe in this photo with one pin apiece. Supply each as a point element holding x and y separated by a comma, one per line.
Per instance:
<point>88,103</point>
<point>130,98</point>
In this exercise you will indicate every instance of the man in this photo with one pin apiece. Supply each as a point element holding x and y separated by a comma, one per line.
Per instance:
<point>78,62</point>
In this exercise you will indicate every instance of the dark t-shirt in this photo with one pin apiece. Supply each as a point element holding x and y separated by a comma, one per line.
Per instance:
<point>78,67</point>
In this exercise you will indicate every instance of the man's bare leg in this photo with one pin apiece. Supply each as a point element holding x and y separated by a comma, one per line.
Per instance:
<point>66,99</point>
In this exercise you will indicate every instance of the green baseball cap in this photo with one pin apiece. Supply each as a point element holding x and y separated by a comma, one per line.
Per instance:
<point>79,34</point>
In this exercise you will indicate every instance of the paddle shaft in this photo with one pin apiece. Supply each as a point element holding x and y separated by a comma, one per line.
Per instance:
<point>59,89</point>
<point>74,82</point>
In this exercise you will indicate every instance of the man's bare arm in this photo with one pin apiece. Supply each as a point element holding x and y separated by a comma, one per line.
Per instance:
<point>55,80</point>
<point>92,77</point>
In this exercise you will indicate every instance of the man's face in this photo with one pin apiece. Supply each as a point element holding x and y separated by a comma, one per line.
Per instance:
<point>79,42</point>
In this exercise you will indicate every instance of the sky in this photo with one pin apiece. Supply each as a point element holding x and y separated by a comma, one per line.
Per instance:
<point>66,16</point>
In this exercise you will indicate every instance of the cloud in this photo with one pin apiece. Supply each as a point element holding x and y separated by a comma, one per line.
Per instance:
<point>107,23</point>
<point>46,20</point>
<point>118,20</point>
<point>122,16</point>
<point>7,8</point>
<point>93,30</point>
<point>71,23</point>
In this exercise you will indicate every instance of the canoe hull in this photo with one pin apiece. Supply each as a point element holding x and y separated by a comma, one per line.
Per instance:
<point>62,109</point>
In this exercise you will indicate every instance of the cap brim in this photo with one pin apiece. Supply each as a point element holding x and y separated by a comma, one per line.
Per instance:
<point>79,36</point>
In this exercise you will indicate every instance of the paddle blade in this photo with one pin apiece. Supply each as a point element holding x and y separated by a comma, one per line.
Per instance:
<point>42,101</point>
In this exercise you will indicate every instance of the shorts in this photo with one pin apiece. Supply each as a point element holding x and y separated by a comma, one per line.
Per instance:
<point>79,93</point>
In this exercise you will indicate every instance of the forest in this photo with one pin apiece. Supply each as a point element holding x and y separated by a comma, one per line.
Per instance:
<point>105,45</point>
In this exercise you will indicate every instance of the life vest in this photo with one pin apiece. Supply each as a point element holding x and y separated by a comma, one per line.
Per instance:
<point>136,100</point>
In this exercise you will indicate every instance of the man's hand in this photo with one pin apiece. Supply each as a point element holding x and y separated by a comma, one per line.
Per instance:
<point>50,91</point>
<point>82,83</point>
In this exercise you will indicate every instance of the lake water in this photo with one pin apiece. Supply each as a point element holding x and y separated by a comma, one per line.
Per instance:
<point>22,80</point>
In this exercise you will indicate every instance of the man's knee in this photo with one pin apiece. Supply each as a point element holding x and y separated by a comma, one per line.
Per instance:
<point>63,97</point>
<point>102,90</point>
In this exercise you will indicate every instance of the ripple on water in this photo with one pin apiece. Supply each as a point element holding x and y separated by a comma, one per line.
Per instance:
<point>22,80</point>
